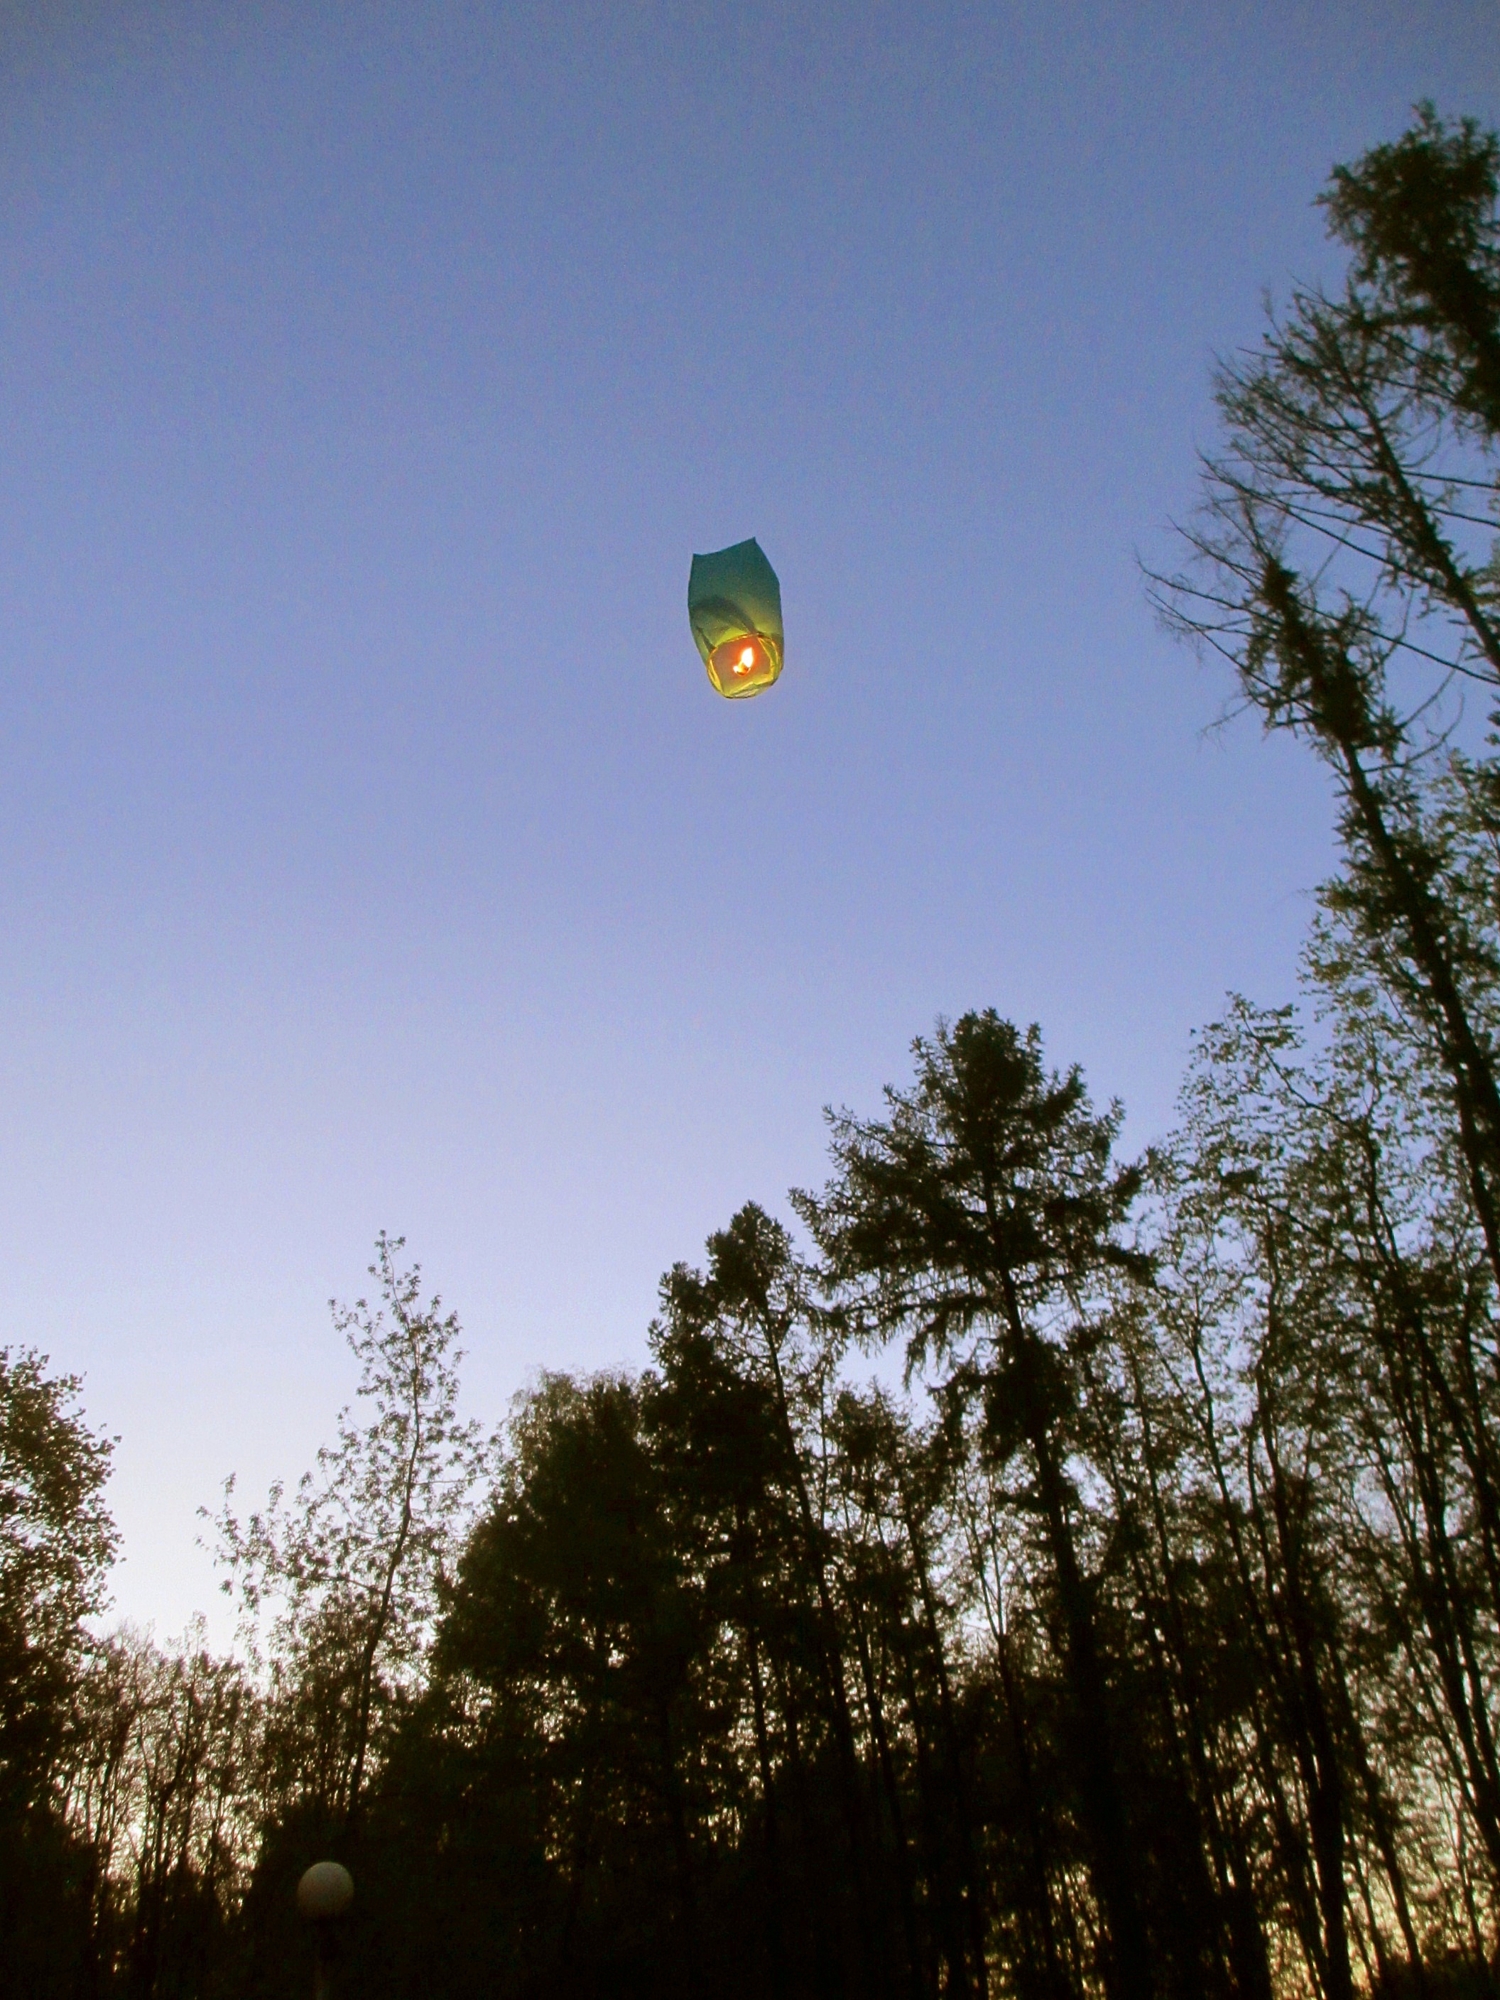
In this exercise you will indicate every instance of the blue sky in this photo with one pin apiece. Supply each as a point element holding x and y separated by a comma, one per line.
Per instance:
<point>373,851</point>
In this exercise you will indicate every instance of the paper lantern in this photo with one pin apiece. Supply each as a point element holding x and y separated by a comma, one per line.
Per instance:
<point>734,608</point>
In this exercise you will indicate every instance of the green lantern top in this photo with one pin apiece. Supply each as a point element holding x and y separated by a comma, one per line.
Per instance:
<point>734,608</point>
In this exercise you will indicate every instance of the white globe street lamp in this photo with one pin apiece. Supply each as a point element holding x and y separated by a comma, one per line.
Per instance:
<point>324,1893</point>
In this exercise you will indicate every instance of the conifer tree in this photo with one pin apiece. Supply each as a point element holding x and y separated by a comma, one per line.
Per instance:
<point>973,1223</point>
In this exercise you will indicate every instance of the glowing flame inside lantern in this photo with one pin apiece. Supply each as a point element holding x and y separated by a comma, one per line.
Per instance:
<point>743,665</point>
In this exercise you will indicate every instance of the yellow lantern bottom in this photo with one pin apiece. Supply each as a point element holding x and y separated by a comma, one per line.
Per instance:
<point>744,665</point>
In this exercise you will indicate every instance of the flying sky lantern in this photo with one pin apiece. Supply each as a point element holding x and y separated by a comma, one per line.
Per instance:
<point>734,608</point>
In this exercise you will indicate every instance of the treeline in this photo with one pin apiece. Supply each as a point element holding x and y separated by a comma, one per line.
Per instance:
<point>1144,1644</point>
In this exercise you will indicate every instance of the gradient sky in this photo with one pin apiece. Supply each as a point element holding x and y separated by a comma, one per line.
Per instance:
<point>373,851</point>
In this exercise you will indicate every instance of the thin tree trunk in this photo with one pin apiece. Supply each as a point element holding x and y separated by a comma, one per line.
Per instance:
<point>1128,1974</point>
<point>881,1744</point>
<point>973,1882</point>
<point>1248,1956</point>
<point>775,1943</point>
<point>832,1660</point>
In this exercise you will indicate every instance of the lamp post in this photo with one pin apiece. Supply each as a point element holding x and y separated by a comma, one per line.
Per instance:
<point>323,1895</point>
